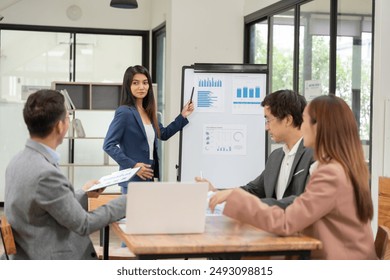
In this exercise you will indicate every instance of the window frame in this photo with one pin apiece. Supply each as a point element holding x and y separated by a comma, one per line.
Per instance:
<point>281,6</point>
<point>76,30</point>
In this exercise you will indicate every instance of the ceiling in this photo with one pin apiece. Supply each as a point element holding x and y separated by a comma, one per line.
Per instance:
<point>5,4</point>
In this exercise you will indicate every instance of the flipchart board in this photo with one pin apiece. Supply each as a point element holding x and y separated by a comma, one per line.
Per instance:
<point>225,140</point>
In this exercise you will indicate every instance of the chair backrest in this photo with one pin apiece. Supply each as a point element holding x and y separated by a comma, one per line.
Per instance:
<point>382,243</point>
<point>7,237</point>
<point>384,202</point>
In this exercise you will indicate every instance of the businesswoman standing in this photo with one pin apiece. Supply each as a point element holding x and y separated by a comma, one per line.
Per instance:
<point>336,206</point>
<point>131,139</point>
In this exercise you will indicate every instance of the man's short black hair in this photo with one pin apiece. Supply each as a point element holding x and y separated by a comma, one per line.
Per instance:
<point>43,110</point>
<point>286,102</point>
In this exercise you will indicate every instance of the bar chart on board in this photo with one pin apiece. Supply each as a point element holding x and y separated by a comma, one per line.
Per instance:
<point>210,94</point>
<point>247,95</point>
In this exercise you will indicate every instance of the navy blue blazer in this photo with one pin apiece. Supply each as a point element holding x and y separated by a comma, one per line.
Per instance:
<point>126,141</point>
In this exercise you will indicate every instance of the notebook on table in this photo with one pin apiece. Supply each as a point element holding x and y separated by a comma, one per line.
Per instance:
<point>165,208</point>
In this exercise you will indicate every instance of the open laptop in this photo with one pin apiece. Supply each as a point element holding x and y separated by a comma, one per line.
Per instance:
<point>165,208</point>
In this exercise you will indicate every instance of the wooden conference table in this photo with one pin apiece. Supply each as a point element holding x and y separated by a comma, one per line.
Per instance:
<point>223,237</point>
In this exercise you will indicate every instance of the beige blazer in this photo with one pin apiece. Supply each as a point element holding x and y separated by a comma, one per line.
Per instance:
<point>326,211</point>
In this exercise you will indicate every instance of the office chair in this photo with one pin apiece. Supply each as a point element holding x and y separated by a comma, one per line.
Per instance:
<point>382,243</point>
<point>7,237</point>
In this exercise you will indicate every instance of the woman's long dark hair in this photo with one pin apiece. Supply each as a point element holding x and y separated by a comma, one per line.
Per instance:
<point>338,139</point>
<point>148,103</point>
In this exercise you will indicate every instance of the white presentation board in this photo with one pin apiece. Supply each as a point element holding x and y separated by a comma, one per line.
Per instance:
<point>225,140</point>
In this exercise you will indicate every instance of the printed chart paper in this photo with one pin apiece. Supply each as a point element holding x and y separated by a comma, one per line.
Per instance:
<point>115,178</point>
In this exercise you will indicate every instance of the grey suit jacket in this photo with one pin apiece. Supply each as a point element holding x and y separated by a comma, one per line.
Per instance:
<point>264,186</point>
<point>49,219</point>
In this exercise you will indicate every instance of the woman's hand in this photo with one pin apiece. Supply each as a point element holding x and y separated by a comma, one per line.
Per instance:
<point>218,198</point>
<point>187,109</point>
<point>211,187</point>
<point>145,172</point>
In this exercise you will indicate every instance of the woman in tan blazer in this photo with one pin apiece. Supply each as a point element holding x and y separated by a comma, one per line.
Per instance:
<point>336,206</point>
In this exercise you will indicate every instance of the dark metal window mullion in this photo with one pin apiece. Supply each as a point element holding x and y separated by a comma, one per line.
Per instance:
<point>296,48</point>
<point>372,85</point>
<point>333,47</point>
<point>74,57</point>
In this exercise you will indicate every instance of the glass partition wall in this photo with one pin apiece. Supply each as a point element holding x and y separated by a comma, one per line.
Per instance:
<point>104,58</point>
<point>354,61</point>
<point>317,47</point>
<point>33,57</point>
<point>314,47</point>
<point>281,53</point>
<point>31,60</point>
<point>258,42</point>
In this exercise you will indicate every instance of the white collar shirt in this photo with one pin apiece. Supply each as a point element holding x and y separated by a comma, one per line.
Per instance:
<point>285,169</point>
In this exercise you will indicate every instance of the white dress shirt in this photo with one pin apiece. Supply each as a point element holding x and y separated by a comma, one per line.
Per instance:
<point>285,168</point>
<point>150,136</point>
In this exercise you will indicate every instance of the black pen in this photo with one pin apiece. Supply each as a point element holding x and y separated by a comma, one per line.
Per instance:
<point>192,94</point>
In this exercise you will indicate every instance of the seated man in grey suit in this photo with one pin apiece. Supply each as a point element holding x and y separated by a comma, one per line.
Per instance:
<point>287,169</point>
<point>49,218</point>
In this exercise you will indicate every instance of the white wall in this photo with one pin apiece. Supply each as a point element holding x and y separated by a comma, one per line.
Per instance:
<point>199,31</point>
<point>255,5</point>
<point>160,11</point>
